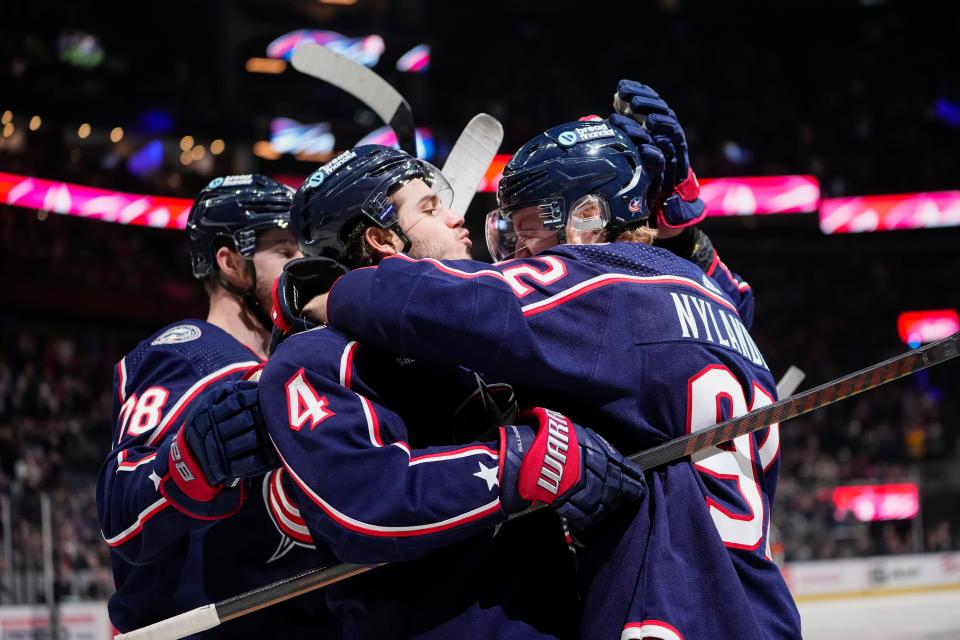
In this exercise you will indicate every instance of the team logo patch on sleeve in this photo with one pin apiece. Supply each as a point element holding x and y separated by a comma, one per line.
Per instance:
<point>178,334</point>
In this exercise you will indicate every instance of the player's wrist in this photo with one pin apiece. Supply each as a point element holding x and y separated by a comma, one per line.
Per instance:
<point>515,441</point>
<point>187,472</point>
<point>202,501</point>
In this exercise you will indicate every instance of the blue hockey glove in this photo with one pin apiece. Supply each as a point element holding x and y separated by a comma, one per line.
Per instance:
<point>651,156</point>
<point>680,204</point>
<point>567,466</point>
<point>226,434</point>
<point>302,279</point>
<point>222,440</point>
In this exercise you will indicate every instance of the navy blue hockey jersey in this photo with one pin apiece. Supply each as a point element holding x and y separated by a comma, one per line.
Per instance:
<point>383,475</point>
<point>643,347</point>
<point>170,554</point>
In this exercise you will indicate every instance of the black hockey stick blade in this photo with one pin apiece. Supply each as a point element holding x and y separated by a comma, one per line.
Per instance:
<point>211,615</point>
<point>366,86</point>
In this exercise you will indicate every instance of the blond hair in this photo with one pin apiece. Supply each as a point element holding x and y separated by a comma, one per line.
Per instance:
<point>642,234</point>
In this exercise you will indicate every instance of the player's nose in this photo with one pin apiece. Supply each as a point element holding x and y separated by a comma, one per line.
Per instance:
<point>454,219</point>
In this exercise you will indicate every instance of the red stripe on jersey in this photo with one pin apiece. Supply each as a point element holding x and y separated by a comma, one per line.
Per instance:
<point>391,532</point>
<point>130,465</point>
<point>610,279</point>
<point>373,422</point>
<point>346,364</point>
<point>195,391</point>
<point>653,629</point>
<point>456,453</point>
<point>713,263</point>
<point>137,526</point>
<point>122,380</point>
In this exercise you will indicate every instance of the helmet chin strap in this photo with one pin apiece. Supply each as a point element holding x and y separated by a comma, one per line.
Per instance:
<point>404,238</point>
<point>248,296</point>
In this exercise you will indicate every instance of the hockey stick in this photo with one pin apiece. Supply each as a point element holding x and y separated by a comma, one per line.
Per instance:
<point>473,151</point>
<point>789,382</point>
<point>211,615</point>
<point>471,157</point>
<point>362,83</point>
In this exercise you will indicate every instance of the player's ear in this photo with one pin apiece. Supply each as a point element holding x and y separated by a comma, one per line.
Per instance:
<point>232,267</point>
<point>382,242</point>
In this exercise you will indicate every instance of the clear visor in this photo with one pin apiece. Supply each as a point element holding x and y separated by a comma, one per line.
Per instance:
<point>380,207</point>
<point>525,230</point>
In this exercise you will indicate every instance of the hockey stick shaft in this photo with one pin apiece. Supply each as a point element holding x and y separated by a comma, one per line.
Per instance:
<point>826,394</point>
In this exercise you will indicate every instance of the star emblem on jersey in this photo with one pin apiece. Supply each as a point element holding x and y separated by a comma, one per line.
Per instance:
<point>155,479</point>
<point>488,475</point>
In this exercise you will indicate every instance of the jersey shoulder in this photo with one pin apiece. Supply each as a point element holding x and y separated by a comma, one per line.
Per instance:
<point>640,260</point>
<point>203,347</point>
<point>314,349</point>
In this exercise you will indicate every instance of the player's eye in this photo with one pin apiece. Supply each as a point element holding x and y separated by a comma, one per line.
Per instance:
<point>431,206</point>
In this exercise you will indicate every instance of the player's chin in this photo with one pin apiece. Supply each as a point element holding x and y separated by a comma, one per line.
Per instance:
<point>459,251</point>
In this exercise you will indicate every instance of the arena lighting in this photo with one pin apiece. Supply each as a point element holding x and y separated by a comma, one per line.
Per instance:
<point>7,117</point>
<point>116,134</point>
<point>186,143</point>
<point>341,2</point>
<point>417,60</point>
<point>265,65</point>
<point>84,131</point>
<point>217,147</point>
<point>920,327</point>
<point>726,196</point>
<point>388,137</point>
<point>92,203</point>
<point>290,136</point>
<point>890,212</point>
<point>263,149</point>
<point>365,50</point>
<point>35,123</point>
<point>718,205</point>
<point>869,503</point>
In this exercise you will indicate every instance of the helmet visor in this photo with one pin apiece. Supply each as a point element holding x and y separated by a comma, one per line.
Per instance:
<point>380,207</point>
<point>524,230</point>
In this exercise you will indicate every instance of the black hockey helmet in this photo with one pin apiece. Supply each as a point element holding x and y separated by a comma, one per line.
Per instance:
<point>355,187</point>
<point>230,211</point>
<point>587,173</point>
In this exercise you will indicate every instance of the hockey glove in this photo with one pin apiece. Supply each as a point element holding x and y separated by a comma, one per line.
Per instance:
<point>651,157</point>
<point>302,279</point>
<point>222,440</point>
<point>567,466</point>
<point>680,204</point>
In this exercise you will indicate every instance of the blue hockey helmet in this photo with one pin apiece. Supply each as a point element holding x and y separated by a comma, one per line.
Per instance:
<point>576,177</point>
<point>354,189</point>
<point>231,210</point>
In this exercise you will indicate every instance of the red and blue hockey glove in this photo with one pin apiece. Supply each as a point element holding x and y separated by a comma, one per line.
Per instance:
<point>223,439</point>
<point>569,467</point>
<point>680,204</point>
<point>302,279</point>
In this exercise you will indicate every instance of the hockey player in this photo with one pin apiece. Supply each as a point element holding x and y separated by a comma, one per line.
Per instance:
<point>185,505</point>
<point>376,490</point>
<point>625,336</point>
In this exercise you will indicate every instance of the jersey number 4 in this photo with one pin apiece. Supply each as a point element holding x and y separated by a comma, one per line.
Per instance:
<point>713,395</point>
